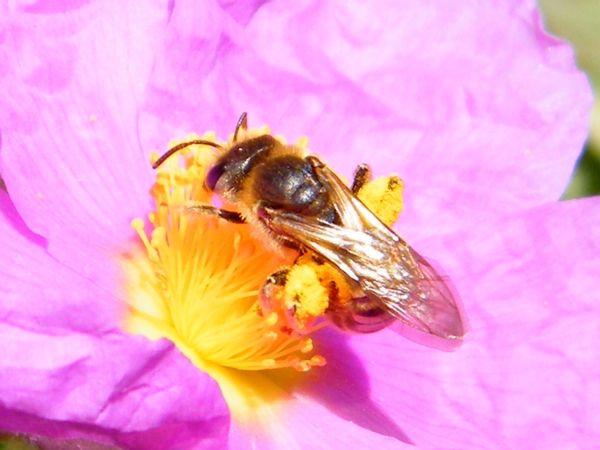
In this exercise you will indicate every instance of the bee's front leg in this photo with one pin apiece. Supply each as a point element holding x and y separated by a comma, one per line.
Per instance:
<point>230,216</point>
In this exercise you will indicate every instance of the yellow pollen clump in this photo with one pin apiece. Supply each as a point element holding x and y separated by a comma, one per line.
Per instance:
<point>383,196</point>
<point>200,279</point>
<point>304,292</point>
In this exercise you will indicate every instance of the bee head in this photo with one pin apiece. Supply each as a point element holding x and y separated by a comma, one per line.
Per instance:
<point>231,169</point>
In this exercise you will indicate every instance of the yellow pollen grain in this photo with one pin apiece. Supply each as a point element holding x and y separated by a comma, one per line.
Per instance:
<point>318,361</point>
<point>272,319</point>
<point>308,346</point>
<point>302,366</point>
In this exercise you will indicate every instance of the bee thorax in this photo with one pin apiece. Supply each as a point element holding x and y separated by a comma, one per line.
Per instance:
<point>289,183</point>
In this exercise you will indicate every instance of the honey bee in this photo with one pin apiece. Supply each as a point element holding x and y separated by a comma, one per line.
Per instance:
<point>299,201</point>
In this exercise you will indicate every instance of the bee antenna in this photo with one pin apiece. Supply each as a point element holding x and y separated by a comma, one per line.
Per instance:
<point>242,124</point>
<point>181,146</point>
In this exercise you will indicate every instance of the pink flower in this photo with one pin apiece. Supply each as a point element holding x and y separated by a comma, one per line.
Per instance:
<point>477,108</point>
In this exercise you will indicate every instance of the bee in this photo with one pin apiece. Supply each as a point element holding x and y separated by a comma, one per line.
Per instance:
<point>299,201</point>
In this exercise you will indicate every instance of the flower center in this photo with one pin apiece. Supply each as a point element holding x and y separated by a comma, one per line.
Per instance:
<point>204,276</point>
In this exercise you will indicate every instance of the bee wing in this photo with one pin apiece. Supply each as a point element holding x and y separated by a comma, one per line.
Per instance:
<point>372,255</point>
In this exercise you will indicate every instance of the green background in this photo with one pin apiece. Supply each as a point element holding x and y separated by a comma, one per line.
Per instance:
<point>579,22</point>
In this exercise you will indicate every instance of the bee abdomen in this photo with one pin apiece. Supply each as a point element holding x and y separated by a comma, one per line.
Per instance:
<point>361,315</point>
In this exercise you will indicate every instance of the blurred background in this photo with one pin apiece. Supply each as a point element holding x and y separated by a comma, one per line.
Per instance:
<point>579,22</point>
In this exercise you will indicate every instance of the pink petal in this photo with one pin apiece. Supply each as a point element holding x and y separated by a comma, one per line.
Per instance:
<point>38,291</point>
<point>479,110</point>
<point>68,371</point>
<point>72,83</point>
<point>115,389</point>
<point>305,422</point>
<point>527,374</point>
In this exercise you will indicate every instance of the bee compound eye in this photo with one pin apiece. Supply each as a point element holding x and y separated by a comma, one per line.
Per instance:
<point>213,175</point>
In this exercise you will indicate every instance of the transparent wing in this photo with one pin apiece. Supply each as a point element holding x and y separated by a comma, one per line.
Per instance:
<point>372,255</point>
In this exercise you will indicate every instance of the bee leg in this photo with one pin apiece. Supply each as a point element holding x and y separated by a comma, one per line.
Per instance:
<point>362,175</point>
<point>271,289</point>
<point>230,216</point>
<point>278,278</point>
<point>242,123</point>
<point>290,243</point>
